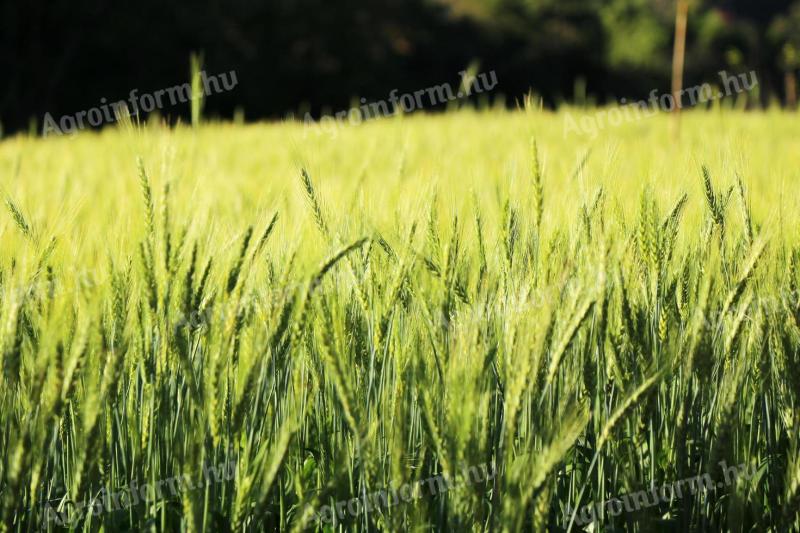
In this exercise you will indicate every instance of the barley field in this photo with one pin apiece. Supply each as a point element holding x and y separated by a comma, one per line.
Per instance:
<point>455,322</point>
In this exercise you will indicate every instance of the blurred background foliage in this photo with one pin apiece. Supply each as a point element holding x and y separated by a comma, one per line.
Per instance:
<point>296,55</point>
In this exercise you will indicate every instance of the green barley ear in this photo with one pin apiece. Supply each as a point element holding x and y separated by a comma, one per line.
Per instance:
<point>200,292</point>
<point>510,233</point>
<point>713,201</point>
<point>252,379</point>
<point>538,191</point>
<point>627,405</point>
<point>317,278</point>
<point>451,255</point>
<point>316,281</point>
<point>581,164</point>
<point>385,246</point>
<point>188,283</point>
<point>149,276</point>
<point>432,238</point>
<point>265,236</point>
<point>429,420</point>
<point>744,277</point>
<point>147,196</point>
<point>269,462</point>
<point>198,100</point>
<point>578,318</point>
<point>745,208</point>
<point>166,233</point>
<point>669,229</point>
<point>682,292</point>
<point>333,363</point>
<point>468,77</point>
<point>675,213</point>
<point>481,242</point>
<point>546,461</point>
<point>123,118</point>
<point>313,200</point>
<point>646,237</point>
<point>236,270</point>
<point>19,219</point>
<point>736,327</point>
<point>46,254</point>
<point>395,292</point>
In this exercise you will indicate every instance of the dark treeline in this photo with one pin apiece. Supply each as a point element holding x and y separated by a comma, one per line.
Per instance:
<point>63,56</point>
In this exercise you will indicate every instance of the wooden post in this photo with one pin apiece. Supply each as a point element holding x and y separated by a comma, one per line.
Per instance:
<point>790,83</point>
<point>678,54</point>
<point>790,63</point>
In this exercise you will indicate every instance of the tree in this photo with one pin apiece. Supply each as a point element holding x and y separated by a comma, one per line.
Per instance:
<point>784,32</point>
